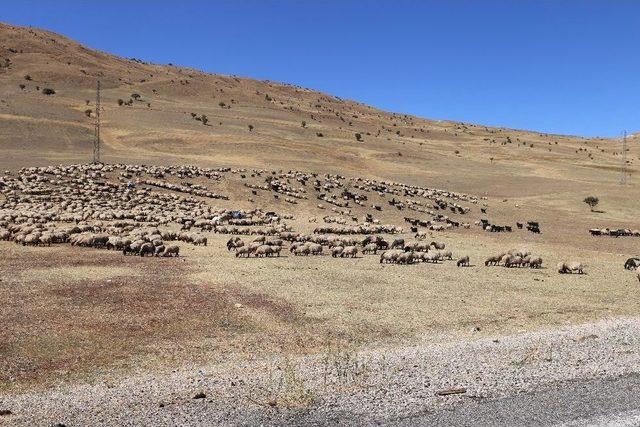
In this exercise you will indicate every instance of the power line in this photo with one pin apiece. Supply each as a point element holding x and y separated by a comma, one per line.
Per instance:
<point>96,135</point>
<point>623,176</point>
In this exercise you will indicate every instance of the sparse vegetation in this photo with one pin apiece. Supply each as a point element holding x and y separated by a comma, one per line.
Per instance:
<point>591,201</point>
<point>88,112</point>
<point>27,77</point>
<point>48,91</point>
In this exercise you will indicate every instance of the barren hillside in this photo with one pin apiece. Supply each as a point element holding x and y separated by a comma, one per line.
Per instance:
<point>160,120</point>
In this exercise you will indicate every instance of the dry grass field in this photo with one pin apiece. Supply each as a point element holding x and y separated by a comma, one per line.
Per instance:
<point>73,314</point>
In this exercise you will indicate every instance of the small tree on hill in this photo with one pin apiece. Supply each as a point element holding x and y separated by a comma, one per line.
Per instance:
<point>592,201</point>
<point>250,128</point>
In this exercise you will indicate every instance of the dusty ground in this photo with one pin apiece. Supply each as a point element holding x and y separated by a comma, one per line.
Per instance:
<point>73,315</point>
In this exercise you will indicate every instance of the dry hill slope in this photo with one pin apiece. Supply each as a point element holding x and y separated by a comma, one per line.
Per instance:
<point>163,126</point>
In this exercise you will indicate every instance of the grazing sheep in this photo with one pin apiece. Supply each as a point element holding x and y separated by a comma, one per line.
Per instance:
<point>264,251</point>
<point>632,264</point>
<point>493,260</point>
<point>244,251</point>
<point>397,243</point>
<point>371,248</point>
<point>421,235</point>
<point>158,250</point>
<point>146,248</point>
<point>171,250</point>
<point>389,256</point>
<point>301,251</point>
<point>200,240</point>
<point>336,251</point>
<point>405,258</point>
<point>535,262</point>
<point>463,262</point>
<point>349,252</point>
<point>437,245</point>
<point>314,248</point>
<point>571,267</point>
<point>512,261</point>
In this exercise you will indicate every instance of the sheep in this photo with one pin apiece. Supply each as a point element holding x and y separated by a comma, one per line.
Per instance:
<point>397,243</point>
<point>301,251</point>
<point>243,251</point>
<point>433,257</point>
<point>370,248</point>
<point>405,258</point>
<point>571,267</point>
<point>200,240</point>
<point>349,251</point>
<point>263,251</point>
<point>632,264</point>
<point>314,248</point>
<point>389,256</point>
<point>493,260</point>
<point>437,245</point>
<point>535,262</point>
<point>463,261</point>
<point>234,243</point>
<point>171,250</point>
<point>146,248</point>
<point>512,261</point>
<point>445,255</point>
<point>421,235</point>
<point>158,250</point>
<point>336,251</point>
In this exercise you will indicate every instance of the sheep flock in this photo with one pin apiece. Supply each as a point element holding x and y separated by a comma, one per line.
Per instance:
<point>149,211</point>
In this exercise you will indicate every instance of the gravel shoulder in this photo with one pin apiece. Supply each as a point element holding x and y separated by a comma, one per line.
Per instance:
<point>381,385</point>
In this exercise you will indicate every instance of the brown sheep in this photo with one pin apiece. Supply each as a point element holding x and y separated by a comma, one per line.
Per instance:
<point>171,250</point>
<point>463,262</point>
<point>349,252</point>
<point>146,248</point>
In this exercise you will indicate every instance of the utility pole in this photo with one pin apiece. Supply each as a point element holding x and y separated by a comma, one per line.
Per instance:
<point>623,176</point>
<point>96,135</point>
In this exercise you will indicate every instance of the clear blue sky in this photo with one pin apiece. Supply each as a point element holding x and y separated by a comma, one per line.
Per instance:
<point>558,66</point>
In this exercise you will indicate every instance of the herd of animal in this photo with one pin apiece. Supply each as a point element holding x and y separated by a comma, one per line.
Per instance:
<point>137,209</point>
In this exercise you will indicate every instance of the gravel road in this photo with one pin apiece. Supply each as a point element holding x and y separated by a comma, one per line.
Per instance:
<point>496,376</point>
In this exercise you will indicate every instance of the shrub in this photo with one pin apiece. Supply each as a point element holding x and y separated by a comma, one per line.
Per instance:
<point>88,112</point>
<point>120,102</point>
<point>27,77</point>
<point>22,86</point>
<point>319,134</point>
<point>592,201</point>
<point>204,119</point>
<point>135,96</point>
<point>222,104</point>
<point>48,91</point>
<point>250,128</point>
<point>359,137</point>
<point>304,124</point>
